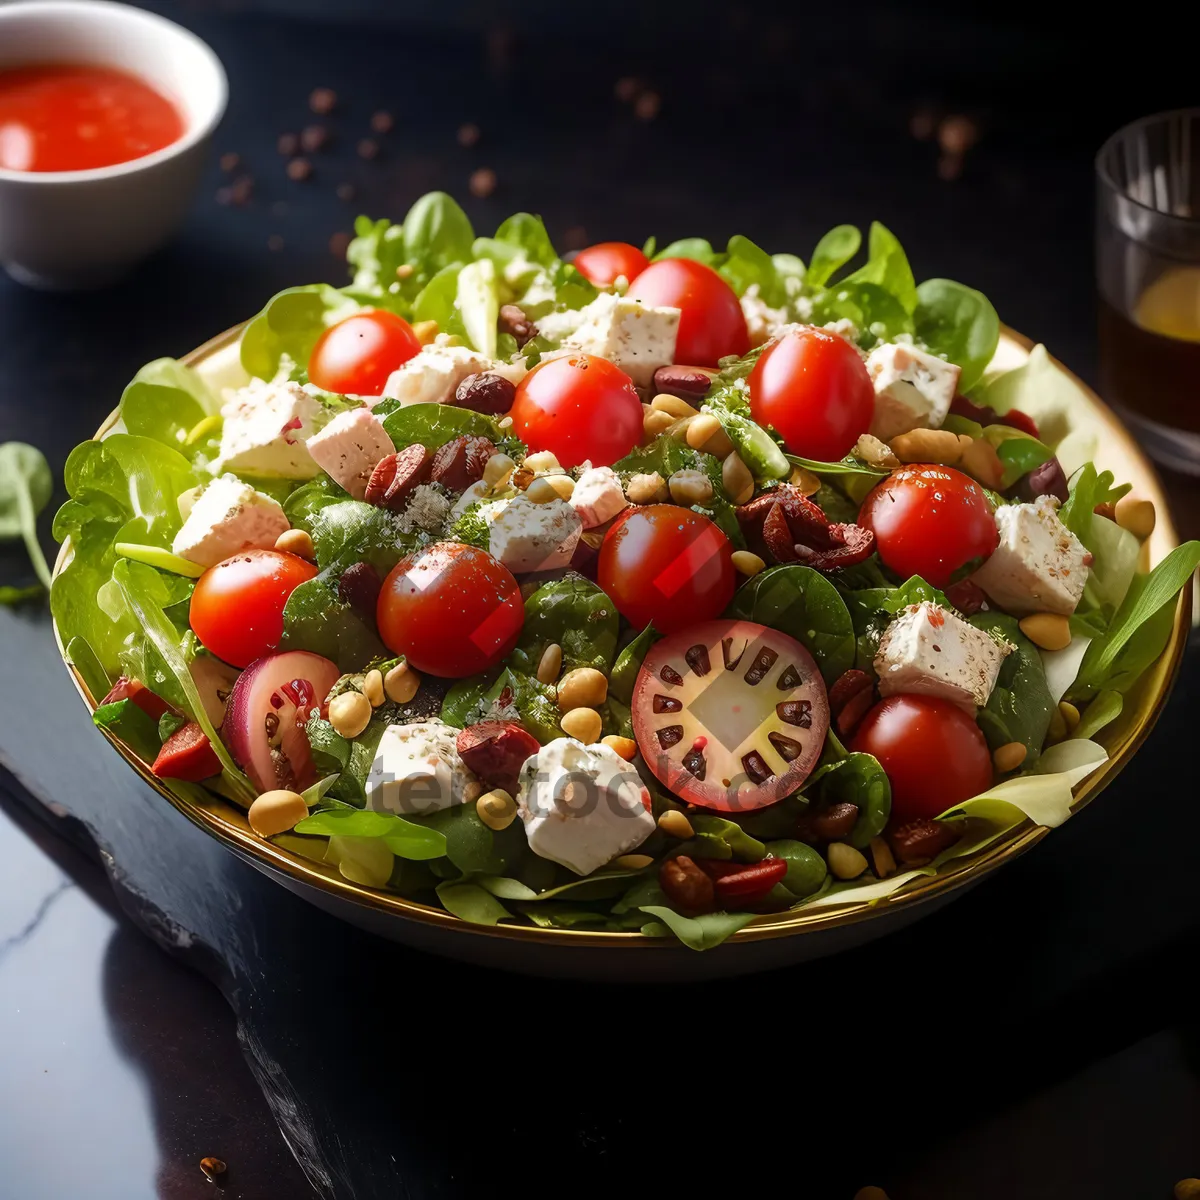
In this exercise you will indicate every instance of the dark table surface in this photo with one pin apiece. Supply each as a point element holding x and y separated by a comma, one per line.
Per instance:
<point>1036,1039</point>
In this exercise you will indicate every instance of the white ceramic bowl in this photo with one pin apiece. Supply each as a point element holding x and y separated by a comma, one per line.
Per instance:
<point>77,229</point>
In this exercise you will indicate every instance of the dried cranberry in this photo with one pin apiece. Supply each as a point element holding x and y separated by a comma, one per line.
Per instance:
<point>359,587</point>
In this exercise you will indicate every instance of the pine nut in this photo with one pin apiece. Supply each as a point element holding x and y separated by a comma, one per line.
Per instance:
<point>625,747</point>
<point>844,861</point>
<point>871,1193</point>
<point>563,485</point>
<point>1058,727</point>
<point>690,487</point>
<point>646,489</point>
<point>496,809</point>
<point>426,331</point>
<point>1009,756</point>
<point>276,812</point>
<point>804,481</point>
<point>550,663</point>
<point>583,724</point>
<point>631,862</point>
<point>927,445</point>
<point>674,824</point>
<point>472,790</point>
<point>401,683</point>
<point>655,423</point>
<point>981,462</point>
<point>1070,715</point>
<point>542,461</point>
<point>349,714</point>
<point>673,406</point>
<point>297,542</point>
<point>543,491</point>
<point>705,433</point>
<point>736,479</point>
<point>373,688</point>
<point>584,687</point>
<point>1050,631</point>
<point>1136,516</point>
<point>1187,1189</point>
<point>883,861</point>
<point>745,562</point>
<point>875,453</point>
<point>497,469</point>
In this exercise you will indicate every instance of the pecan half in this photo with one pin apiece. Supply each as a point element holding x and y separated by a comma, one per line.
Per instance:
<point>395,477</point>
<point>918,842</point>
<point>486,393</point>
<point>686,886</point>
<point>850,696</point>
<point>513,320</point>
<point>687,383</point>
<point>460,462</point>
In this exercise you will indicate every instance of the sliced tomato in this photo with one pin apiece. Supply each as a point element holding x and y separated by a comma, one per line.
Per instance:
<point>187,754</point>
<point>149,702</point>
<point>730,715</point>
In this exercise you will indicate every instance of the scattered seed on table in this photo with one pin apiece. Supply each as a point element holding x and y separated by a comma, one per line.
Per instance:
<point>288,144</point>
<point>482,182</point>
<point>957,134</point>
<point>230,162</point>
<point>299,169</point>
<point>575,238</point>
<point>242,190</point>
<point>626,89</point>
<point>950,167</point>
<point>646,106</point>
<point>922,124</point>
<point>346,192</point>
<point>322,100</point>
<point>468,134</point>
<point>314,138</point>
<point>382,122</point>
<point>274,242</point>
<point>338,244</point>
<point>279,208</point>
<point>212,1167</point>
<point>224,195</point>
<point>368,148</point>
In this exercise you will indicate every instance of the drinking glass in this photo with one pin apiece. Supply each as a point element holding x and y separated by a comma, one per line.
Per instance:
<point>1148,277</point>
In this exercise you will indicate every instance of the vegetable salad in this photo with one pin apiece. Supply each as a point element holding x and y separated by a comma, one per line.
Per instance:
<point>637,592</point>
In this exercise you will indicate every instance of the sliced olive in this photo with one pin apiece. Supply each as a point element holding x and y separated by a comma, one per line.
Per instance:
<point>756,767</point>
<point>666,704</point>
<point>727,652</point>
<point>670,735</point>
<point>758,669</point>
<point>697,659</point>
<point>790,679</point>
<point>668,674</point>
<point>695,763</point>
<point>789,749</point>
<point>795,712</point>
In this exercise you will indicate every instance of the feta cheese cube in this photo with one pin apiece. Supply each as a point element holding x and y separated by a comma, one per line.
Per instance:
<point>636,337</point>
<point>582,805</point>
<point>529,537</point>
<point>431,375</point>
<point>913,390</point>
<point>477,493</point>
<point>928,651</point>
<point>349,448</point>
<point>598,496</point>
<point>266,428</point>
<point>1039,565</point>
<point>228,516</point>
<point>417,770</point>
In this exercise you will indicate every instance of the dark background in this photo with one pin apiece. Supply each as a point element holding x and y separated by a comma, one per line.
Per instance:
<point>1036,1040</point>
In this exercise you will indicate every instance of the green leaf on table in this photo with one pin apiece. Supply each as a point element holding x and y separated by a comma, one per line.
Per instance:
<point>958,323</point>
<point>26,486</point>
<point>575,614</point>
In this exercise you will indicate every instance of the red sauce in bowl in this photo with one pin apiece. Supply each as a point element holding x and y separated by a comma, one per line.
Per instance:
<point>66,117</point>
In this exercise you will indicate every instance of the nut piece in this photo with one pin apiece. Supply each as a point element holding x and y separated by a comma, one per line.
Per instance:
<point>496,809</point>
<point>705,433</point>
<point>373,687</point>
<point>687,887</point>
<point>550,663</point>
<point>844,861</point>
<point>736,479</point>
<point>631,862</point>
<point>497,469</point>
<point>646,489</point>
<point>583,724</point>
<point>1187,1189</point>
<point>883,861</point>
<point>1009,756</point>
<point>1050,631</point>
<point>674,824</point>
<point>1137,516</point>
<point>212,1167</point>
<point>297,542</point>
<point>541,461</point>
<point>981,462</point>
<point>349,714</point>
<point>928,445</point>
<point>513,320</point>
<point>1070,715</point>
<point>690,487</point>
<point>426,331</point>
<point>870,1193</point>
<point>875,453</point>
<point>276,812</point>
<point>918,842</point>
<point>545,489</point>
<point>625,747</point>
<point>688,383</point>
<point>664,402</point>
<point>486,393</point>
<point>746,563</point>
<point>655,422</point>
<point>401,683</point>
<point>804,481</point>
<point>584,687</point>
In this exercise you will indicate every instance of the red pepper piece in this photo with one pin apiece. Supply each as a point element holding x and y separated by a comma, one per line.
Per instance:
<point>750,883</point>
<point>718,868</point>
<point>130,689</point>
<point>789,527</point>
<point>187,754</point>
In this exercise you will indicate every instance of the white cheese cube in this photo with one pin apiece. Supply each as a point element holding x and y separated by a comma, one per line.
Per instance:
<point>432,375</point>
<point>228,516</point>
<point>266,428</point>
<point>928,651</point>
<point>636,337</point>
<point>417,770</point>
<point>349,448</point>
<point>477,493</point>
<point>913,390</point>
<point>1039,565</point>
<point>529,537</point>
<point>582,805</point>
<point>598,496</point>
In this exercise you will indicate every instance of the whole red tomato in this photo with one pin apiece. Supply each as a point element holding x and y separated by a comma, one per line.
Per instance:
<point>604,262</point>
<point>356,356</point>
<point>711,323</point>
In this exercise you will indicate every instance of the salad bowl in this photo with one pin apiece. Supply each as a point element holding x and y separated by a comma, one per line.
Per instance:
<point>830,923</point>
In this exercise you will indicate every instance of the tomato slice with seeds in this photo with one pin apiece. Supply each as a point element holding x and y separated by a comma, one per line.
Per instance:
<point>730,715</point>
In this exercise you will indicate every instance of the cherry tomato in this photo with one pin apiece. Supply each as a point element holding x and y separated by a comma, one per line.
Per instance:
<point>667,565</point>
<point>451,610</point>
<point>935,756</point>
<point>604,261</point>
<point>811,385</point>
<point>237,606</point>
<point>930,521</point>
<point>356,356</point>
<point>711,324</point>
<point>579,407</point>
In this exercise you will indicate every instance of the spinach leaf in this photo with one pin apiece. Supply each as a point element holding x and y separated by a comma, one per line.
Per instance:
<point>470,902</point>
<point>463,703</point>
<point>832,253</point>
<point>692,247</point>
<point>25,489</point>
<point>534,704</point>
<point>302,504</point>
<point>848,467</point>
<point>574,613</point>
<point>526,235</point>
<point>166,400</point>
<point>858,779</point>
<point>746,264</point>
<point>806,873</point>
<point>802,603</point>
<point>290,325</point>
<point>697,933</point>
<point>436,300</point>
<point>886,268</point>
<point>875,312</point>
<point>352,531</point>
<point>958,323</point>
<point>433,425</point>
<point>405,839</point>
<point>471,847</point>
<point>131,725</point>
<point>872,609</point>
<point>436,233</point>
<point>1020,706</point>
<point>625,670</point>
<point>315,619</point>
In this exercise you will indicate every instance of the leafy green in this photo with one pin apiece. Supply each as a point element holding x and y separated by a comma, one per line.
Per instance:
<point>832,253</point>
<point>886,268</point>
<point>316,619</point>
<point>471,847</point>
<point>11,597</point>
<point>727,402</point>
<point>131,725</point>
<point>1105,708</point>
<point>697,933</point>
<point>746,265</point>
<point>691,247</point>
<point>1020,706</point>
<point>470,902</point>
<point>290,325</point>
<point>463,703</point>
<point>958,323</point>
<point>1018,452</point>
<point>853,778</point>
<point>436,233</point>
<point>1088,488</point>
<point>477,299</point>
<point>403,838</point>
<point>874,311</point>
<point>434,425</point>
<point>471,527</point>
<point>574,613</point>
<point>521,236</point>
<point>806,873</point>
<point>156,556</point>
<point>716,837</point>
<point>802,603</point>
<point>847,468</point>
<point>536,705</point>
<point>25,489</point>
<point>166,401</point>
<point>625,670</point>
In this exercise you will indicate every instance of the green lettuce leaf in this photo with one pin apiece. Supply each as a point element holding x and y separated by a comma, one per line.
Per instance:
<point>958,323</point>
